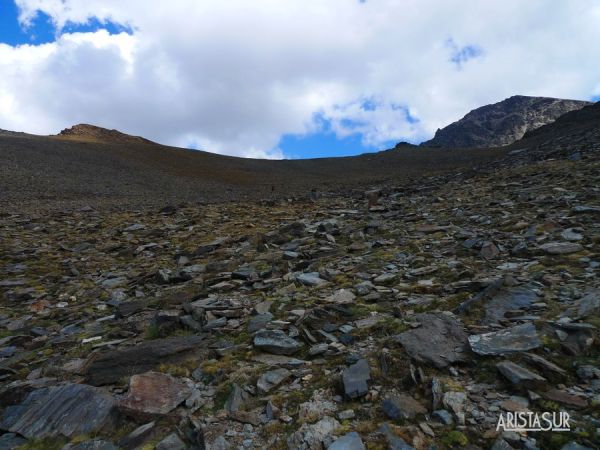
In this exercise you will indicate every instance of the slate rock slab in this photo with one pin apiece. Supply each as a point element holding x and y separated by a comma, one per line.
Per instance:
<point>271,379</point>
<point>506,299</point>
<point>154,393</point>
<point>438,342</point>
<point>402,406</point>
<point>517,374</point>
<point>519,338</point>
<point>589,304</point>
<point>350,441</point>
<point>68,410</point>
<point>112,366</point>
<point>276,342</point>
<point>561,248</point>
<point>355,379</point>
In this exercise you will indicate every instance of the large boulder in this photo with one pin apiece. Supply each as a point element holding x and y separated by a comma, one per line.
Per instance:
<point>439,341</point>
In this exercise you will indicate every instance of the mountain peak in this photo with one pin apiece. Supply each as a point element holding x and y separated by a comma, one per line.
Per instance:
<point>93,133</point>
<point>504,122</point>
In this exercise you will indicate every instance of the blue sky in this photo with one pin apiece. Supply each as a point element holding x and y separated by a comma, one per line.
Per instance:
<point>322,143</point>
<point>294,79</point>
<point>42,30</point>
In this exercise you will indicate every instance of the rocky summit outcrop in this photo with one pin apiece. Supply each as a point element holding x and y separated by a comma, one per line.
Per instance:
<point>502,123</point>
<point>93,133</point>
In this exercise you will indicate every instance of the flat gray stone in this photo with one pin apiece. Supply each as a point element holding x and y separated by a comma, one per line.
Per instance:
<point>507,299</point>
<point>341,297</point>
<point>11,441</point>
<point>259,322</point>
<point>236,399</point>
<point>517,374</point>
<point>519,338</point>
<point>171,442</point>
<point>561,248</point>
<point>355,379</point>
<point>310,279</point>
<point>276,342</point>
<point>68,410</point>
<point>402,406</point>
<point>271,379</point>
<point>439,341</point>
<point>589,304</point>
<point>350,441</point>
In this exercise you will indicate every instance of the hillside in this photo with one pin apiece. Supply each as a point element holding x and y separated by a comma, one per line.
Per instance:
<point>81,172</point>
<point>502,123</point>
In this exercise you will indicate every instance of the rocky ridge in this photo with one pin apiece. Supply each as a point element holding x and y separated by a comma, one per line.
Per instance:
<point>502,123</point>
<point>407,316</point>
<point>93,133</point>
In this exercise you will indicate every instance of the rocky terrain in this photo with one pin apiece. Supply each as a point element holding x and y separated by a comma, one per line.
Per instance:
<point>502,123</point>
<point>76,173</point>
<point>393,313</point>
<point>91,133</point>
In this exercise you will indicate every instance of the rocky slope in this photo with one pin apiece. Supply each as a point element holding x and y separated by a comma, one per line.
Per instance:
<point>78,173</point>
<point>406,317</point>
<point>502,123</point>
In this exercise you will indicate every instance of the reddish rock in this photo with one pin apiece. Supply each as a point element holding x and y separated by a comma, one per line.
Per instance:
<point>565,398</point>
<point>154,393</point>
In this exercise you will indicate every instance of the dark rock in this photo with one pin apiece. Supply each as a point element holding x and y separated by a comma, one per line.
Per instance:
<point>589,305</point>
<point>517,374</point>
<point>236,399</point>
<point>502,123</point>
<point>126,309</point>
<point>402,406</point>
<point>68,410</point>
<point>506,299</point>
<point>394,441</point>
<point>271,379</point>
<point>171,442</point>
<point>443,416</point>
<point>276,342</point>
<point>112,366</point>
<point>137,437</point>
<point>94,444</point>
<point>259,322</point>
<point>439,341</point>
<point>11,441</point>
<point>355,379</point>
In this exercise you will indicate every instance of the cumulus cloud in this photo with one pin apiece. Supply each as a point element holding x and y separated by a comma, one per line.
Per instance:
<point>233,77</point>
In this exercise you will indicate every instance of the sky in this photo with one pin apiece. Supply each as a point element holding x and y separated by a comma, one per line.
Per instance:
<point>286,79</point>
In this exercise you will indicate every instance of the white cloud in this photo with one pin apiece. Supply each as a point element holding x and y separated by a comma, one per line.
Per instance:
<point>234,76</point>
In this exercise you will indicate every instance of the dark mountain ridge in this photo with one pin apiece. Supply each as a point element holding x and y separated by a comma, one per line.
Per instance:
<point>502,123</point>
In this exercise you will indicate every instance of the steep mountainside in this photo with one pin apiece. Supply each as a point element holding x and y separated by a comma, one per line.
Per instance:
<point>502,123</point>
